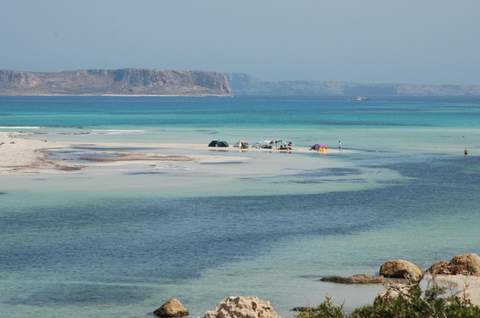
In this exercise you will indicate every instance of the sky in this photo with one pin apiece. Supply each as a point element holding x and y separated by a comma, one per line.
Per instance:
<point>409,41</point>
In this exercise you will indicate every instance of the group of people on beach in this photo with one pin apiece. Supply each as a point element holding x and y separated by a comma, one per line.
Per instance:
<point>279,145</point>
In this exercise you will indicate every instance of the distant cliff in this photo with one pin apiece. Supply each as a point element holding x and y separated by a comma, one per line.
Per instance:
<point>132,81</point>
<point>243,84</point>
<point>116,82</point>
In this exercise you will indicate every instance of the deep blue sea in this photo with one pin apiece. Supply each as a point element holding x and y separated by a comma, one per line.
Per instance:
<point>191,112</point>
<point>118,242</point>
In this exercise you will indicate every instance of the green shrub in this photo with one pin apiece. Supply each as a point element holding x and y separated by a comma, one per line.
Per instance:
<point>434,303</point>
<point>327,309</point>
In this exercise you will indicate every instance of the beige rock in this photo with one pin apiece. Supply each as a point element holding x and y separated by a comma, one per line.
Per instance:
<point>242,307</point>
<point>442,267</point>
<point>172,308</point>
<point>465,264</point>
<point>393,291</point>
<point>459,285</point>
<point>399,268</point>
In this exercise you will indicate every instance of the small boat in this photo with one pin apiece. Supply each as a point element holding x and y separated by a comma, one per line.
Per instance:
<point>360,98</point>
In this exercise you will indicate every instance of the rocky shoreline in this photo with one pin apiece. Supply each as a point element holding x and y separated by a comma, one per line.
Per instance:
<point>230,307</point>
<point>460,275</point>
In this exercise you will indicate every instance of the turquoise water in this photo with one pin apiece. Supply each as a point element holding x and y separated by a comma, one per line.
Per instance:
<point>117,242</point>
<point>235,112</point>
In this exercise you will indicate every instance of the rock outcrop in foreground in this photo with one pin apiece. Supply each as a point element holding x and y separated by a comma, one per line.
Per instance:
<point>458,277</point>
<point>399,268</point>
<point>465,264</point>
<point>392,291</point>
<point>464,286</point>
<point>242,307</point>
<point>172,308</point>
<point>114,82</point>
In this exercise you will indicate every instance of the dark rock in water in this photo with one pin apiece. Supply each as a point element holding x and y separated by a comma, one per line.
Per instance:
<point>128,81</point>
<point>354,279</point>
<point>172,308</point>
<point>399,268</point>
<point>465,264</point>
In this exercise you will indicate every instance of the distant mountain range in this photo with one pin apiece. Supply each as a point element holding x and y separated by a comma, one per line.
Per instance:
<point>244,84</point>
<point>132,81</point>
<point>114,82</point>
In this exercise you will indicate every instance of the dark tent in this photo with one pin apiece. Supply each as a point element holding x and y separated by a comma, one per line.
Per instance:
<point>218,143</point>
<point>316,147</point>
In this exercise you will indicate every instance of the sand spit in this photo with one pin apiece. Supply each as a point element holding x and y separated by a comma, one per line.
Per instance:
<point>23,152</point>
<point>21,155</point>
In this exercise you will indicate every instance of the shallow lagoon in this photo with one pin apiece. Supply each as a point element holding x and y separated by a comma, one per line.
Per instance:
<point>118,241</point>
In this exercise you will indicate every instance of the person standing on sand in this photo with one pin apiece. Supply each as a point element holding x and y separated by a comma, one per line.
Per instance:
<point>465,152</point>
<point>339,144</point>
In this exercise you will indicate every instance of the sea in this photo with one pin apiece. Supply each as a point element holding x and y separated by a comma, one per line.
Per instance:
<point>118,241</point>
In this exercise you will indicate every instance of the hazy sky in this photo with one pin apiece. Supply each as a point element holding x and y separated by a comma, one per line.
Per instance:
<point>419,41</point>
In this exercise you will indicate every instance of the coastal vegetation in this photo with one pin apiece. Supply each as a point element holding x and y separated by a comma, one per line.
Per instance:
<point>435,293</point>
<point>408,303</point>
<point>409,292</point>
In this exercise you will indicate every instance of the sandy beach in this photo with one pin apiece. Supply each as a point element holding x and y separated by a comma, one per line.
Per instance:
<point>19,154</point>
<point>25,153</point>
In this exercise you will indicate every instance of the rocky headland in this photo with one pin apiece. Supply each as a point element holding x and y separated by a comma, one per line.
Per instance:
<point>244,84</point>
<point>140,81</point>
<point>129,81</point>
